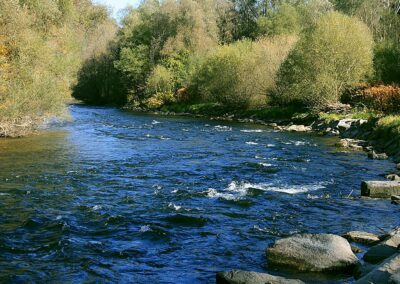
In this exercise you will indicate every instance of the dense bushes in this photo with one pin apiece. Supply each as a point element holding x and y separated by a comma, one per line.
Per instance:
<point>41,47</point>
<point>380,98</point>
<point>242,74</point>
<point>336,53</point>
<point>244,54</point>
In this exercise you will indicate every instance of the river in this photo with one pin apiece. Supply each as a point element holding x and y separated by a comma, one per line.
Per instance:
<point>114,196</point>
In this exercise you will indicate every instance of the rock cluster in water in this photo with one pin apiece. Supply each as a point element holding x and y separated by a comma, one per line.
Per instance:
<point>328,253</point>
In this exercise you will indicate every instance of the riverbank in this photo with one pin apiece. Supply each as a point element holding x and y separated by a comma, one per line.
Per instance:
<point>377,134</point>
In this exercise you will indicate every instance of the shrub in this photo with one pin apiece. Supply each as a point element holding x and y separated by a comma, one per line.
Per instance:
<point>160,81</point>
<point>380,98</point>
<point>336,53</point>
<point>159,99</point>
<point>242,74</point>
<point>387,62</point>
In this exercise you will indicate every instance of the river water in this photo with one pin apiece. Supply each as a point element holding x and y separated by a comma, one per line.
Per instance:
<point>114,196</point>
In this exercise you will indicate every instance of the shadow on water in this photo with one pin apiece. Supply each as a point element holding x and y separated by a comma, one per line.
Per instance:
<point>122,197</point>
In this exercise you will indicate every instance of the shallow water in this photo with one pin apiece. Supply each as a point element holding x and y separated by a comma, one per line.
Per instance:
<point>121,197</point>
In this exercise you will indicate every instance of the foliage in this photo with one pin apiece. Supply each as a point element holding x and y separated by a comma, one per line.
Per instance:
<point>387,62</point>
<point>336,53</point>
<point>42,45</point>
<point>241,74</point>
<point>159,99</point>
<point>380,98</point>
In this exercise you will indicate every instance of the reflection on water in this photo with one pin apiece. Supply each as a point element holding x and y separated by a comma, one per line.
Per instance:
<point>122,197</point>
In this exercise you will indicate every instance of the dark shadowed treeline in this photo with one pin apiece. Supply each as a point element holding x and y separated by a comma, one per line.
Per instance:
<point>245,53</point>
<point>42,46</point>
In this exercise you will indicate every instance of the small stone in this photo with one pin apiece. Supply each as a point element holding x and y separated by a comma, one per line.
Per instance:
<point>393,177</point>
<point>249,277</point>
<point>361,237</point>
<point>298,128</point>
<point>375,156</point>
<point>356,249</point>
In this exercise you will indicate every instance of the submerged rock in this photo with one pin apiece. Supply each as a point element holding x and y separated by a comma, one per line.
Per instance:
<point>350,143</point>
<point>312,252</point>
<point>361,237</point>
<point>385,249</point>
<point>375,156</point>
<point>380,189</point>
<point>383,273</point>
<point>249,277</point>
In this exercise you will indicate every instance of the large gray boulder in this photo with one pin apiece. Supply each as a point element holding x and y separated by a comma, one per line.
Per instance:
<point>312,252</point>
<point>249,277</point>
<point>380,189</point>
<point>385,249</point>
<point>383,273</point>
<point>361,237</point>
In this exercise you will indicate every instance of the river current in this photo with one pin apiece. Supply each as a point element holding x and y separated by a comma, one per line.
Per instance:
<point>119,197</point>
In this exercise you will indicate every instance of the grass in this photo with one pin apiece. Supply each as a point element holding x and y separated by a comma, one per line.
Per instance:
<point>354,114</point>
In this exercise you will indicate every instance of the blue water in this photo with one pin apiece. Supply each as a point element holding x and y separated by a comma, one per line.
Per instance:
<point>114,196</point>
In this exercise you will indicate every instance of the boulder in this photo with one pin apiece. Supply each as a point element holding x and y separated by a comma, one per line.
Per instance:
<point>249,277</point>
<point>312,252</point>
<point>380,189</point>
<point>383,272</point>
<point>385,249</point>
<point>361,237</point>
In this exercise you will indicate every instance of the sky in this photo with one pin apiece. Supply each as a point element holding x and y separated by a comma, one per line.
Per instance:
<point>117,5</point>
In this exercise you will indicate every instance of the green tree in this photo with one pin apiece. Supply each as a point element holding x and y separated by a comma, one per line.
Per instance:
<point>336,53</point>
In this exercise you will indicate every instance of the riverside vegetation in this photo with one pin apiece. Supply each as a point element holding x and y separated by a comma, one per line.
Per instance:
<point>332,65</point>
<point>42,46</point>
<point>268,60</point>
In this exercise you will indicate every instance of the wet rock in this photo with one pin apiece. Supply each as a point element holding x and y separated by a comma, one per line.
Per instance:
<point>383,272</point>
<point>395,278</point>
<point>345,124</point>
<point>356,249</point>
<point>393,177</point>
<point>298,128</point>
<point>375,156</point>
<point>249,277</point>
<point>350,143</point>
<point>312,252</point>
<point>361,237</point>
<point>395,199</point>
<point>363,269</point>
<point>385,249</point>
<point>380,189</point>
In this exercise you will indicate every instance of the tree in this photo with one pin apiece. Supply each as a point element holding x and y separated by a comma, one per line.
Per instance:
<point>336,53</point>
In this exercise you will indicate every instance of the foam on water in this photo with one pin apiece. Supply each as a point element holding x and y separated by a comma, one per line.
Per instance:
<point>222,128</point>
<point>251,143</point>
<point>144,229</point>
<point>237,190</point>
<point>252,130</point>
<point>173,206</point>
